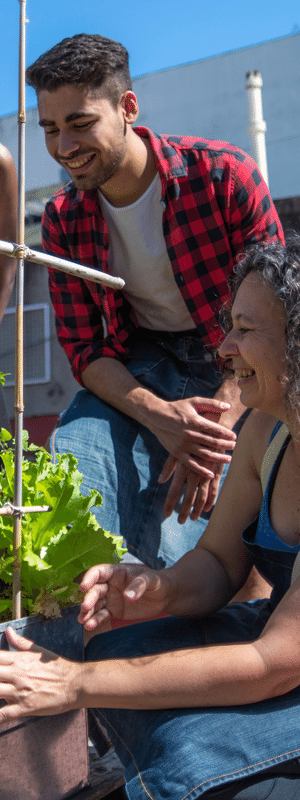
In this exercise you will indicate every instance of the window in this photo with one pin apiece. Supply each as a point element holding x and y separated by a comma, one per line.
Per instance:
<point>36,344</point>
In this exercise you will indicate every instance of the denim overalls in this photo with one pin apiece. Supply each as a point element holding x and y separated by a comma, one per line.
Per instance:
<point>182,753</point>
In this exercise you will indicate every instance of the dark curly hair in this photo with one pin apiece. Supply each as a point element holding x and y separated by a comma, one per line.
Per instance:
<point>84,59</point>
<point>279,268</point>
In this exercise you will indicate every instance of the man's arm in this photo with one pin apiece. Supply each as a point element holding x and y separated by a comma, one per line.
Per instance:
<point>180,426</point>
<point>97,362</point>
<point>8,222</point>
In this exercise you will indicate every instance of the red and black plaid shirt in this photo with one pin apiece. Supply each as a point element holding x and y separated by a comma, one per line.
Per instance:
<point>215,204</point>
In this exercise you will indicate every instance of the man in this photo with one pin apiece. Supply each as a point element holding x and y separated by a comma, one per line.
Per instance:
<point>8,222</point>
<point>170,215</point>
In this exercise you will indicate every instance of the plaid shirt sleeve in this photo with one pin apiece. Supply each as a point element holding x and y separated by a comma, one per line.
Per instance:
<point>252,214</point>
<point>81,307</point>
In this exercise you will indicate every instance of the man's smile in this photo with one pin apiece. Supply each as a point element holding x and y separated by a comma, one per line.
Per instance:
<point>78,163</point>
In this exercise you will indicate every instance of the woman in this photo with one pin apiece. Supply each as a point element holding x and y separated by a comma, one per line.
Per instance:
<point>216,714</point>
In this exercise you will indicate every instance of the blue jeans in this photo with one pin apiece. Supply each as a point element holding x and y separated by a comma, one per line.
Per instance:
<point>123,459</point>
<point>189,753</point>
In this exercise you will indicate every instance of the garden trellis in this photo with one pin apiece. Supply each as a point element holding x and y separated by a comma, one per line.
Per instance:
<point>19,251</point>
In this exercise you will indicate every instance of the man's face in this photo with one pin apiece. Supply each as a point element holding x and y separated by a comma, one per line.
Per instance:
<point>84,133</point>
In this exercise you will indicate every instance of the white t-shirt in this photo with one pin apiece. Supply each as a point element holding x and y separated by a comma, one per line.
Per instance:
<point>138,254</point>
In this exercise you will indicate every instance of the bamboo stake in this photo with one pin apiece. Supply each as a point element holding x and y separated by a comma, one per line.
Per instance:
<point>19,406</point>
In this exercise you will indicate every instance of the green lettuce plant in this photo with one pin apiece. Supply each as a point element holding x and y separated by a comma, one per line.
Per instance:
<point>57,545</point>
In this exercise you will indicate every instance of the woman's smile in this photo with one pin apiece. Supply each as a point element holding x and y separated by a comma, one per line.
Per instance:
<point>255,346</point>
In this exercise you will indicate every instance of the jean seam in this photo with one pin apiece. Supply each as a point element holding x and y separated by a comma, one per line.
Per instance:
<point>129,751</point>
<point>199,785</point>
<point>243,769</point>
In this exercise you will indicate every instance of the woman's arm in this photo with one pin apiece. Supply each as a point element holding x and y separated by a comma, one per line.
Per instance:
<point>279,643</point>
<point>37,682</point>
<point>205,578</point>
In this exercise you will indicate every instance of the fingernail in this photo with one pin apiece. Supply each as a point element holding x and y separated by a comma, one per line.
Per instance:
<point>131,594</point>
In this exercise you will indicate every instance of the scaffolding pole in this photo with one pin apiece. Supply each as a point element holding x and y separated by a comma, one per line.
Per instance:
<point>19,405</point>
<point>21,252</point>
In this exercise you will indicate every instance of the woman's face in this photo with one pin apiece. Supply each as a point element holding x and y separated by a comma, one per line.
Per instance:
<point>256,346</point>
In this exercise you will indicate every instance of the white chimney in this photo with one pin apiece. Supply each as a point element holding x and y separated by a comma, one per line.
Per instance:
<point>257,126</point>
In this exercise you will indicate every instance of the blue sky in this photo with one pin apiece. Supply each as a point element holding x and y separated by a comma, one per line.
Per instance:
<point>157,34</point>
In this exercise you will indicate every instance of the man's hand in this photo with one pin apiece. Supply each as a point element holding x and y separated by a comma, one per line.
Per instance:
<point>123,591</point>
<point>201,486</point>
<point>188,429</point>
<point>35,681</point>
<point>200,489</point>
<point>199,493</point>
<point>183,427</point>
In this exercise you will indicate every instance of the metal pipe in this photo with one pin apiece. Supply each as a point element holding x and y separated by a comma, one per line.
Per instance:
<point>257,126</point>
<point>9,510</point>
<point>19,405</point>
<point>11,249</point>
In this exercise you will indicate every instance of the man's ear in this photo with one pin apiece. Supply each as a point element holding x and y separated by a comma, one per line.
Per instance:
<point>130,107</point>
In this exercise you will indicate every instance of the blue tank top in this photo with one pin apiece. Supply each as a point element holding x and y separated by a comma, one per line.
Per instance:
<point>265,534</point>
<point>273,558</point>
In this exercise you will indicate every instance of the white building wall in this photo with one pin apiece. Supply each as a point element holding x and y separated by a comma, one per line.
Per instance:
<point>206,98</point>
<point>41,170</point>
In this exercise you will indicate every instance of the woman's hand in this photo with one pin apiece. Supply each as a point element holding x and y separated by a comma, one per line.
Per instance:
<point>35,681</point>
<point>123,591</point>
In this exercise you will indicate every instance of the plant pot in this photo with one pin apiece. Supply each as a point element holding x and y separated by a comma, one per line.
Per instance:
<point>46,758</point>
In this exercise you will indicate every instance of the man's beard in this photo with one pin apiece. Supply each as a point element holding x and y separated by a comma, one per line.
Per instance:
<point>102,173</point>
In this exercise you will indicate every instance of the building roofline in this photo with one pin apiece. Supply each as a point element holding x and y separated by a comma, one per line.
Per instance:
<point>217,55</point>
<point>188,63</point>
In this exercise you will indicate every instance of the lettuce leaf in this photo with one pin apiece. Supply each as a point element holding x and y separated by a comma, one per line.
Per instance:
<point>57,545</point>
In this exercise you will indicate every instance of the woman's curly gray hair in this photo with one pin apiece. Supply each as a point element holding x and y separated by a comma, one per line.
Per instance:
<point>279,267</point>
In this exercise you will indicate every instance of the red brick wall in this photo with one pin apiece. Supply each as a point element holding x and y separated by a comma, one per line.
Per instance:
<point>39,428</point>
